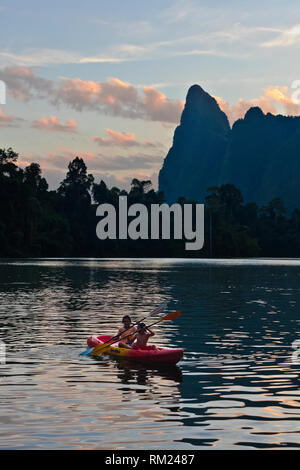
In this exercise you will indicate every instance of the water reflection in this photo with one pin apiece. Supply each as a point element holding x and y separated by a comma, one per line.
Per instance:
<point>235,388</point>
<point>129,371</point>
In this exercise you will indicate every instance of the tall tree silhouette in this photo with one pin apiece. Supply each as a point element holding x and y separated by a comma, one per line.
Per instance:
<point>75,192</point>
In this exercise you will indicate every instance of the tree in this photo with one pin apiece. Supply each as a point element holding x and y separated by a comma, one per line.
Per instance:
<point>76,205</point>
<point>100,192</point>
<point>231,198</point>
<point>274,209</point>
<point>213,203</point>
<point>77,184</point>
<point>295,218</point>
<point>8,167</point>
<point>33,177</point>
<point>140,187</point>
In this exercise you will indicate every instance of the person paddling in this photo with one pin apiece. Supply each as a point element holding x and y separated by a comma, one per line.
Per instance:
<point>125,331</point>
<point>142,335</point>
<point>138,338</point>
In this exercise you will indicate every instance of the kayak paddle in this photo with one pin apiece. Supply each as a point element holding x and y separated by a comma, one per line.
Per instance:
<point>157,310</point>
<point>98,350</point>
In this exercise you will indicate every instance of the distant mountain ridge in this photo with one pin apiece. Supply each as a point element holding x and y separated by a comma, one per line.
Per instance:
<point>260,155</point>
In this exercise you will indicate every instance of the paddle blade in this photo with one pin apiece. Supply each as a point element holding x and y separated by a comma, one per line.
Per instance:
<point>98,350</point>
<point>171,316</point>
<point>159,309</point>
<point>87,352</point>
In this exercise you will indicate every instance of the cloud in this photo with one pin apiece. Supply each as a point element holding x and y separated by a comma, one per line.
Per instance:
<point>272,97</point>
<point>287,37</point>
<point>210,52</point>
<point>53,125</point>
<point>238,110</point>
<point>40,57</point>
<point>132,28</point>
<point>178,12</point>
<point>55,165</point>
<point>280,95</point>
<point>211,41</point>
<point>124,182</point>
<point>23,84</point>
<point>130,162</point>
<point>119,139</point>
<point>97,161</point>
<point>103,162</point>
<point>160,108</point>
<point>7,120</point>
<point>114,97</point>
<point>122,139</point>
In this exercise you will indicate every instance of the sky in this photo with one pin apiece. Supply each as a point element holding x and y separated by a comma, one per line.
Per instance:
<point>107,81</point>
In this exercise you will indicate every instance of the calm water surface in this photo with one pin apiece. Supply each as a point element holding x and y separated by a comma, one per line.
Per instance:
<point>236,388</point>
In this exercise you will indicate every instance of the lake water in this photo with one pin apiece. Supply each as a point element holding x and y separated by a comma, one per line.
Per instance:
<point>236,387</point>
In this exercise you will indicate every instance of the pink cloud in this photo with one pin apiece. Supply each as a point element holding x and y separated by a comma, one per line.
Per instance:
<point>268,102</point>
<point>23,84</point>
<point>125,139</point>
<point>122,139</point>
<point>53,125</point>
<point>113,97</point>
<point>118,98</point>
<point>159,107</point>
<point>280,95</point>
<point>7,120</point>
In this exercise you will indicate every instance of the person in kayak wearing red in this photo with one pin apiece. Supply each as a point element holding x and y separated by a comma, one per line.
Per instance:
<point>125,331</point>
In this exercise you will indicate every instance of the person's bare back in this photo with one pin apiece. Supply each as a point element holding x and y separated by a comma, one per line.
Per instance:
<point>142,335</point>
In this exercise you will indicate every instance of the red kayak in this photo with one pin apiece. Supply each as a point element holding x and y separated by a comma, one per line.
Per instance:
<point>145,354</point>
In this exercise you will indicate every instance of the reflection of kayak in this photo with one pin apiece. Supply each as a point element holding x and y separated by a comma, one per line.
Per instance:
<point>145,354</point>
<point>145,373</point>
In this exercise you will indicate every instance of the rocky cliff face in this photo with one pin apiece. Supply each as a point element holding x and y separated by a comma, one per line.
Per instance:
<point>199,145</point>
<point>263,158</point>
<point>260,155</point>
